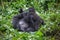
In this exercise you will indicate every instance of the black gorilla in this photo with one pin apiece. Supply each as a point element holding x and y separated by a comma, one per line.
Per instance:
<point>27,21</point>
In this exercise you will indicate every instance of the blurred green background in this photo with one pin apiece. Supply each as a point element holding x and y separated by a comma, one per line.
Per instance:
<point>48,10</point>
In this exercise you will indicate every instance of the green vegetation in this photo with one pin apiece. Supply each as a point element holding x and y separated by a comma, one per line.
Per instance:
<point>51,16</point>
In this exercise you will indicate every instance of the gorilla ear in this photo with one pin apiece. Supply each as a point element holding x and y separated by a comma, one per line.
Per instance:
<point>31,9</point>
<point>20,10</point>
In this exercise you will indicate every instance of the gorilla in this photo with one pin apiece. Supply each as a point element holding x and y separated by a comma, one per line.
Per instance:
<point>27,21</point>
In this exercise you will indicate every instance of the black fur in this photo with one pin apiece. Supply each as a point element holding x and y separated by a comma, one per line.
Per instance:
<point>30,18</point>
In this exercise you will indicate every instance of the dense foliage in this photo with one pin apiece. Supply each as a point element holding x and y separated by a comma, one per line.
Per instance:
<point>47,10</point>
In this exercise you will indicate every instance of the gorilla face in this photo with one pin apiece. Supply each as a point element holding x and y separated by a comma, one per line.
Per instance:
<point>24,26</point>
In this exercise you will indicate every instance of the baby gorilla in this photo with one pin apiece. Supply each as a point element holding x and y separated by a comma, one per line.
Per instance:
<point>27,21</point>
